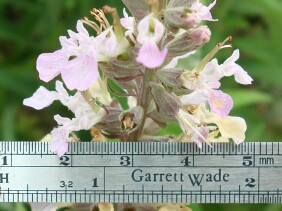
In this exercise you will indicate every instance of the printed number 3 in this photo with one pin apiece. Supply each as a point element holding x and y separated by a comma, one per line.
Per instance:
<point>125,160</point>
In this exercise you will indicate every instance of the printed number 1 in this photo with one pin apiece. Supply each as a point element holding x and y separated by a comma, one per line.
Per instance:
<point>4,161</point>
<point>95,185</point>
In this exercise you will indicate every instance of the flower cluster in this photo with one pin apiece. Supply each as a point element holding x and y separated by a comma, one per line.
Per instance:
<point>140,53</point>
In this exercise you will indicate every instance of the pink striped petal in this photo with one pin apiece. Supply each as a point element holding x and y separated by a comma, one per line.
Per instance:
<point>220,102</point>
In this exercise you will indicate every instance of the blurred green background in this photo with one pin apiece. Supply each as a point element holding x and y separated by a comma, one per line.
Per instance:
<point>31,27</point>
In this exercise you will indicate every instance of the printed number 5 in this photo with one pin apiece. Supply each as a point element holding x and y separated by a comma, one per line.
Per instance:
<point>247,161</point>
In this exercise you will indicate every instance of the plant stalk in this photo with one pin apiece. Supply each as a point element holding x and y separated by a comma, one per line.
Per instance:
<point>143,101</point>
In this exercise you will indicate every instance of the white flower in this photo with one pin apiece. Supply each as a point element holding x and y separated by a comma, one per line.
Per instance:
<point>84,116</point>
<point>150,31</point>
<point>128,23</point>
<point>213,71</point>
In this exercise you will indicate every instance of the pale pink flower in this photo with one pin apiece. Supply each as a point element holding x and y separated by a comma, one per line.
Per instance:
<point>214,72</point>
<point>128,23</point>
<point>77,60</point>
<point>84,116</point>
<point>204,86</point>
<point>150,31</point>
<point>202,11</point>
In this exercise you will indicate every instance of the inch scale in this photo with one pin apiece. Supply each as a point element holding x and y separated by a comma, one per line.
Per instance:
<point>142,173</point>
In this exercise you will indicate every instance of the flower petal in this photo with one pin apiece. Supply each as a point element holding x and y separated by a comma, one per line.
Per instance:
<point>41,98</point>
<point>212,71</point>
<point>107,45</point>
<point>62,93</point>
<point>242,77</point>
<point>81,72</point>
<point>233,58</point>
<point>127,22</point>
<point>49,65</point>
<point>204,11</point>
<point>195,98</point>
<point>233,127</point>
<point>229,67</point>
<point>220,102</point>
<point>145,31</point>
<point>80,28</point>
<point>59,143</point>
<point>150,55</point>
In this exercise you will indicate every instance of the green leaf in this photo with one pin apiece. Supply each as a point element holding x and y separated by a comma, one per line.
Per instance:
<point>8,122</point>
<point>246,97</point>
<point>172,128</point>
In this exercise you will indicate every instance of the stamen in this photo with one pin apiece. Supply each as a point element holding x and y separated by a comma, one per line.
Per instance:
<point>117,25</point>
<point>92,24</point>
<point>100,17</point>
<point>208,57</point>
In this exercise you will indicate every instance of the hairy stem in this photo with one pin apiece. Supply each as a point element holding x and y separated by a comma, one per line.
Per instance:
<point>143,101</point>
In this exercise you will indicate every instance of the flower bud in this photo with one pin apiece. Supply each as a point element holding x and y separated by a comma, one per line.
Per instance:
<point>170,77</point>
<point>201,35</point>
<point>192,19</point>
<point>166,102</point>
<point>188,41</point>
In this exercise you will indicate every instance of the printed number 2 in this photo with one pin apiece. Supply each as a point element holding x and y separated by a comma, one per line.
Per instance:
<point>125,160</point>
<point>250,182</point>
<point>64,160</point>
<point>68,184</point>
